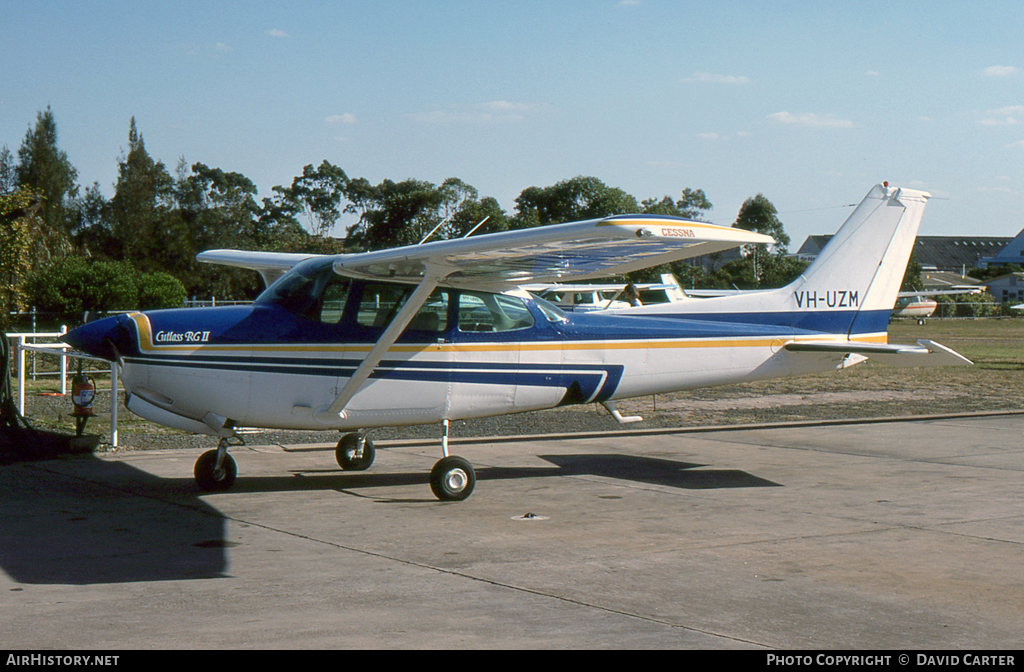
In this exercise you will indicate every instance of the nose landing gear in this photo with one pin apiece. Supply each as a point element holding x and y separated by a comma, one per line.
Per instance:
<point>215,470</point>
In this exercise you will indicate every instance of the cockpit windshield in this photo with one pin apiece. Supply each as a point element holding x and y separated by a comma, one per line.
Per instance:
<point>311,290</point>
<point>550,310</point>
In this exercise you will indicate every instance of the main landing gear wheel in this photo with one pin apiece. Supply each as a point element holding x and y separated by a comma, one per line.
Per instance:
<point>211,478</point>
<point>452,479</point>
<point>354,453</point>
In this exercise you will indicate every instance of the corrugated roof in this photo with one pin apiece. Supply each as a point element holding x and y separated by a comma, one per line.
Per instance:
<point>944,253</point>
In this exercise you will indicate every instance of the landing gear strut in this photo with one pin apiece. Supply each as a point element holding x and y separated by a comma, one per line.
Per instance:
<point>452,479</point>
<point>215,470</point>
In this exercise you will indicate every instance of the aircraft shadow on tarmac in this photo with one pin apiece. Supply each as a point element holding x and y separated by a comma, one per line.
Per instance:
<point>648,470</point>
<point>102,521</point>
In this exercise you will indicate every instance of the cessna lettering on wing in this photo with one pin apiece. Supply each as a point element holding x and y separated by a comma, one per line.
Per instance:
<point>676,232</point>
<point>829,298</point>
<point>182,337</point>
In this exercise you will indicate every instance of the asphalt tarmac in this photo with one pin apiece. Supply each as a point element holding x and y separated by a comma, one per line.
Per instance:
<point>894,535</point>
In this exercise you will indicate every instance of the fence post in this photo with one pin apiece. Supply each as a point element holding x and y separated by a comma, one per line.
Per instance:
<point>33,342</point>
<point>64,364</point>
<point>21,375</point>
<point>113,404</point>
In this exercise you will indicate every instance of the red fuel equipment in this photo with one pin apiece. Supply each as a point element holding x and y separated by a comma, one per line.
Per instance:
<point>83,390</point>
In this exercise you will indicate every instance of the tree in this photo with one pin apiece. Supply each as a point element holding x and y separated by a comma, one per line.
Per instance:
<point>759,215</point>
<point>18,210</point>
<point>46,170</point>
<point>8,172</point>
<point>137,211</point>
<point>694,204</point>
<point>318,194</point>
<point>214,209</point>
<point>575,199</point>
<point>912,276</point>
<point>392,213</point>
<point>471,212</point>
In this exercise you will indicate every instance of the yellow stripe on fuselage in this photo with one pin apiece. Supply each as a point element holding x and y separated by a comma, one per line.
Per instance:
<point>146,344</point>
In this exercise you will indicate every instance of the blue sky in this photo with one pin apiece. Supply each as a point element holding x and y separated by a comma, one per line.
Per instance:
<point>809,103</point>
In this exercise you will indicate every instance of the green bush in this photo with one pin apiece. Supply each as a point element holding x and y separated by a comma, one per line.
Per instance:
<point>73,285</point>
<point>160,290</point>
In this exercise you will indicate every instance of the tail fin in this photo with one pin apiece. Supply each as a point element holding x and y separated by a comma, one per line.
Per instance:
<point>866,258</point>
<point>862,266</point>
<point>850,288</point>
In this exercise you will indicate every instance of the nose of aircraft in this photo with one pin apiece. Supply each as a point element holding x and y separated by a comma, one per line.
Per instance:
<point>106,338</point>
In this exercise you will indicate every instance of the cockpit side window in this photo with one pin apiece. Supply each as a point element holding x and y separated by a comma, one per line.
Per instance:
<point>332,302</point>
<point>381,302</point>
<point>479,311</point>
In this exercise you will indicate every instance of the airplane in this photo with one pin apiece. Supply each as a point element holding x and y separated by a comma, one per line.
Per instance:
<point>604,296</point>
<point>920,305</point>
<point>441,331</point>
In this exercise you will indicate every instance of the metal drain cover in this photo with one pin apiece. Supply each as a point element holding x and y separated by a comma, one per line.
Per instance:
<point>529,516</point>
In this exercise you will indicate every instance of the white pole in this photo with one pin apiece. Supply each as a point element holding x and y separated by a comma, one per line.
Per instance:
<point>113,404</point>
<point>64,364</point>
<point>21,375</point>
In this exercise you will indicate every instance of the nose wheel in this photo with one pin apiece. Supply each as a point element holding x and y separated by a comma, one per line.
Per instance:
<point>354,453</point>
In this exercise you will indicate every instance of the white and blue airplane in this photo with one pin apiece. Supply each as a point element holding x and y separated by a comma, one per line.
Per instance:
<point>441,331</point>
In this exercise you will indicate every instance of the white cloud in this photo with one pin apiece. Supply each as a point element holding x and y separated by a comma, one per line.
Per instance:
<point>277,32</point>
<point>1003,116</point>
<point>1019,144</point>
<point>999,71</point>
<point>348,118</point>
<point>629,3</point>
<point>708,136</point>
<point>712,78</point>
<point>872,73</point>
<point>810,120</point>
<point>223,47</point>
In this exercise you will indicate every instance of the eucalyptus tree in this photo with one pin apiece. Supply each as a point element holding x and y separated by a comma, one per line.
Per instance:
<point>45,170</point>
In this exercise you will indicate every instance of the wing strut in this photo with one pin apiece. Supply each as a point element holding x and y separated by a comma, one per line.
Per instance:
<point>380,348</point>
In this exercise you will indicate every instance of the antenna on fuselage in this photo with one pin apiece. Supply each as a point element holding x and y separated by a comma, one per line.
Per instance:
<point>424,239</point>
<point>479,224</point>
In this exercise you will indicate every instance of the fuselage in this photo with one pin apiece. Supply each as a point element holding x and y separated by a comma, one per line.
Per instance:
<point>279,362</point>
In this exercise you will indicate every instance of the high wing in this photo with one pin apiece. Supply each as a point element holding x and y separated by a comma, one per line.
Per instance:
<point>270,265</point>
<point>580,250</point>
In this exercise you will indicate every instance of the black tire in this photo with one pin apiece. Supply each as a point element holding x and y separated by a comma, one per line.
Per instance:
<point>211,480</point>
<point>346,453</point>
<point>452,479</point>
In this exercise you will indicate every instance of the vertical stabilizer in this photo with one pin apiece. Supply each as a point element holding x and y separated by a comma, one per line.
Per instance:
<point>850,288</point>
<point>867,259</point>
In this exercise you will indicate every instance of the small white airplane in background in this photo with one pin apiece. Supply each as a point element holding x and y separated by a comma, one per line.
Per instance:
<point>441,331</point>
<point>605,296</point>
<point>920,305</point>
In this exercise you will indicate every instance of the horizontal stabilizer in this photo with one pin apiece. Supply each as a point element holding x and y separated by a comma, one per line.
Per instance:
<point>925,353</point>
<point>270,265</point>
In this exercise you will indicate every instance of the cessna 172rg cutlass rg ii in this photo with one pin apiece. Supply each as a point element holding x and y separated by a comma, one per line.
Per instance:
<point>441,331</point>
